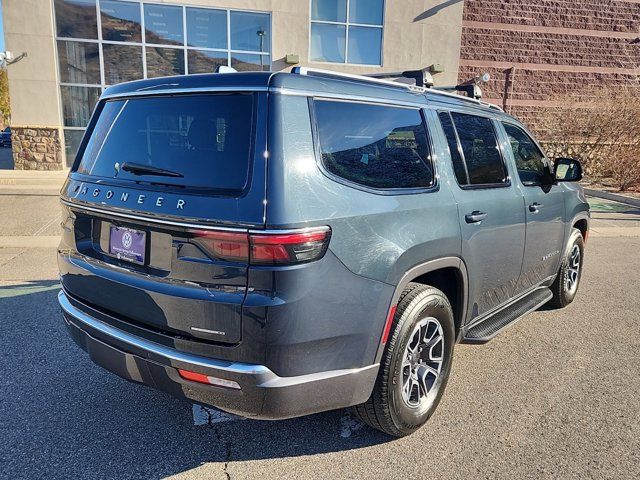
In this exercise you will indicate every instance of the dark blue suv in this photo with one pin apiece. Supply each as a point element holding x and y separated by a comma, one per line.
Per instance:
<point>279,244</point>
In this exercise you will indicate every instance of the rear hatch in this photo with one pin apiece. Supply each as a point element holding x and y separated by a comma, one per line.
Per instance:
<point>154,177</point>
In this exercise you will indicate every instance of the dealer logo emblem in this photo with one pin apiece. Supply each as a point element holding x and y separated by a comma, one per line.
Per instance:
<point>127,240</point>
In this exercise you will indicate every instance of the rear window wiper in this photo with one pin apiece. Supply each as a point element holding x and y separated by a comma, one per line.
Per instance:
<point>140,169</point>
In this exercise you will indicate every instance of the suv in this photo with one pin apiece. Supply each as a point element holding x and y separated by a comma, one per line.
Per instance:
<point>5,137</point>
<point>280,244</point>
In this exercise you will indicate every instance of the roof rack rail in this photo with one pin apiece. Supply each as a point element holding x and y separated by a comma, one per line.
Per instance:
<point>420,76</point>
<point>361,78</point>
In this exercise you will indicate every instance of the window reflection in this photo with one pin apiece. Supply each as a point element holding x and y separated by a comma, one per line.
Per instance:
<point>79,62</point>
<point>366,11</point>
<point>163,24</point>
<point>364,45</point>
<point>76,19</point>
<point>202,61</point>
<point>77,104</point>
<point>341,36</point>
<point>250,31</point>
<point>329,10</point>
<point>328,42</point>
<point>122,63</point>
<point>206,28</point>
<point>120,21</point>
<point>72,139</point>
<point>162,62</point>
<point>244,62</point>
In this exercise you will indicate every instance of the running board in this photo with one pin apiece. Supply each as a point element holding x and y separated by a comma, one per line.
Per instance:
<point>491,326</point>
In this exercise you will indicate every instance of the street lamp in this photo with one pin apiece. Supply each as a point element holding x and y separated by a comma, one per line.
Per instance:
<point>261,33</point>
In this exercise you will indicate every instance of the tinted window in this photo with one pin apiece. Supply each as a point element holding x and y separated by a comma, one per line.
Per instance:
<point>450,134</point>
<point>530,161</point>
<point>480,148</point>
<point>204,138</point>
<point>374,145</point>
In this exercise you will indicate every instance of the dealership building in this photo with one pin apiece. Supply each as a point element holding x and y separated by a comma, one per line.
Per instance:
<point>76,48</point>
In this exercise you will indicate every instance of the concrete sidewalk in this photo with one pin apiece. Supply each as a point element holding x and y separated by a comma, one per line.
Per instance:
<point>30,182</point>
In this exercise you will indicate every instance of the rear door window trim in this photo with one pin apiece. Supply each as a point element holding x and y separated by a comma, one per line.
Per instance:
<point>479,186</point>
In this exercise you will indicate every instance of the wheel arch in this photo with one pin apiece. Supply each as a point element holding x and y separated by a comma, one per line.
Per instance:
<point>448,274</point>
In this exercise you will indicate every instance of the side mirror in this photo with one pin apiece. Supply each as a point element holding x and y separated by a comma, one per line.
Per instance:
<point>567,170</point>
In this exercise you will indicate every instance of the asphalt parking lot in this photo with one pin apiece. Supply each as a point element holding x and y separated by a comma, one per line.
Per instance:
<point>554,396</point>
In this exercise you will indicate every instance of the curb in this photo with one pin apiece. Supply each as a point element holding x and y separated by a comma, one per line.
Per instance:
<point>613,196</point>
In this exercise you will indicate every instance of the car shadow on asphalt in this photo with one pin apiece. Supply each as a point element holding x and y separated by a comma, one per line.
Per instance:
<point>64,417</point>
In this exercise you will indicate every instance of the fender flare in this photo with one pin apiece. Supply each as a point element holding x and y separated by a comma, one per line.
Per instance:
<point>428,267</point>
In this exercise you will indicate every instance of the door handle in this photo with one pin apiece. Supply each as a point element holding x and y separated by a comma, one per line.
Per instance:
<point>475,217</point>
<point>535,207</point>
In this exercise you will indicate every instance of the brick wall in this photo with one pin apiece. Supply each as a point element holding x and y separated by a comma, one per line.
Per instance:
<point>538,51</point>
<point>36,148</point>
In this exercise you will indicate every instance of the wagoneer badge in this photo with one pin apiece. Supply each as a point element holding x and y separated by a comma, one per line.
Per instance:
<point>125,197</point>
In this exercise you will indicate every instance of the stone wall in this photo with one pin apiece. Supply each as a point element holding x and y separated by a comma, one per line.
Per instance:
<point>538,51</point>
<point>36,148</point>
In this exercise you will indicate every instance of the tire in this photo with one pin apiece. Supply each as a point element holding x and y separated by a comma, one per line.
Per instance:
<point>421,308</point>
<point>566,284</point>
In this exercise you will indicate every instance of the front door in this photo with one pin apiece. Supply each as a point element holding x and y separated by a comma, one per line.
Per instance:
<point>492,220</point>
<point>543,207</point>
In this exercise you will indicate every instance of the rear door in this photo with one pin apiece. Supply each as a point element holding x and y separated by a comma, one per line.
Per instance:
<point>490,211</point>
<point>152,180</point>
<point>543,207</point>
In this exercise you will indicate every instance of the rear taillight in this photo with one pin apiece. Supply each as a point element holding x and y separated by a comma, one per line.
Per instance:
<point>268,248</point>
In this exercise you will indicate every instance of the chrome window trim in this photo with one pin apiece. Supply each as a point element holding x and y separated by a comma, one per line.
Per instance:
<point>172,91</point>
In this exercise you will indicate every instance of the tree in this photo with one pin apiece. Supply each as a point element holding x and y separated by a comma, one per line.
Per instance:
<point>5,106</point>
<point>601,128</point>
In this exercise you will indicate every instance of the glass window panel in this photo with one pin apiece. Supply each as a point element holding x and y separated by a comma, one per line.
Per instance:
<point>122,63</point>
<point>76,18</point>
<point>79,62</point>
<point>328,42</point>
<point>203,61</point>
<point>164,61</point>
<point>204,138</point>
<point>163,24</point>
<point>366,11</point>
<point>250,31</point>
<point>365,45</point>
<point>530,161</point>
<point>206,28</point>
<point>72,139</point>
<point>374,145</point>
<point>77,104</point>
<point>244,62</point>
<point>120,21</point>
<point>480,149</point>
<point>329,10</point>
<point>454,150</point>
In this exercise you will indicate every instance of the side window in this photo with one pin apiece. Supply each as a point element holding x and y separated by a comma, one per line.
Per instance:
<point>480,149</point>
<point>458,162</point>
<point>530,161</point>
<point>374,145</point>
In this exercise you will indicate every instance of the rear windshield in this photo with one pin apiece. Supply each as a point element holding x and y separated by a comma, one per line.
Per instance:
<point>196,141</point>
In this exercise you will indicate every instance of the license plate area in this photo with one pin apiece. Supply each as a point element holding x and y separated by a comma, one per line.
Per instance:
<point>128,244</point>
